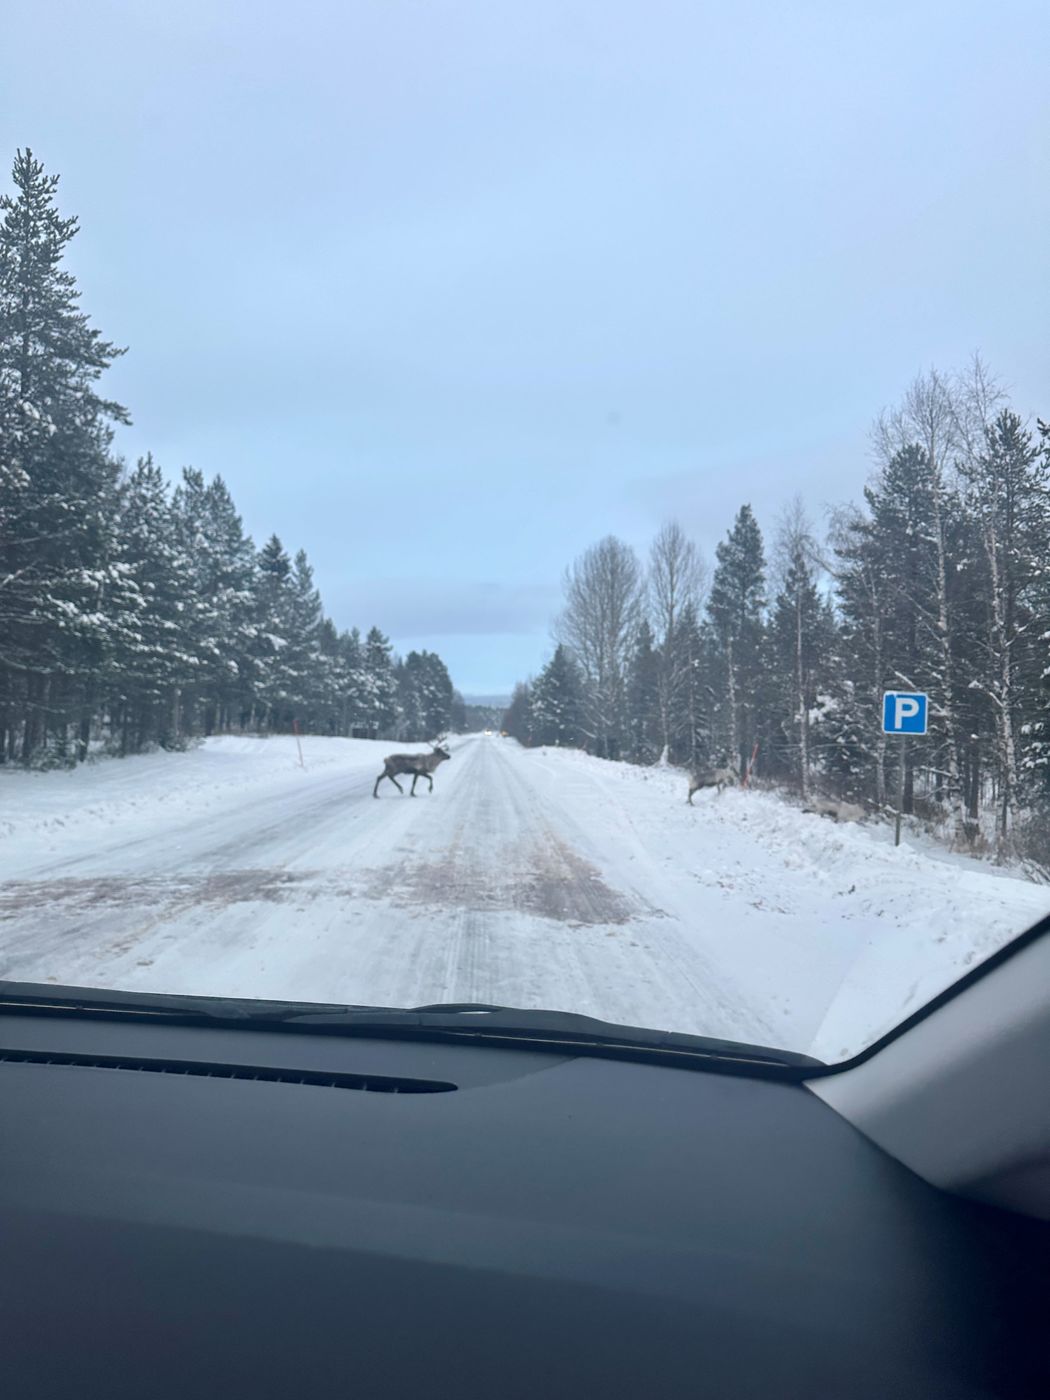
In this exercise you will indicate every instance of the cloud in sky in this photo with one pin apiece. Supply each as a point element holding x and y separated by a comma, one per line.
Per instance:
<point>430,607</point>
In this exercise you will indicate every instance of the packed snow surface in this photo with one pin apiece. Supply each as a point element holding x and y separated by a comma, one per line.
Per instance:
<point>529,878</point>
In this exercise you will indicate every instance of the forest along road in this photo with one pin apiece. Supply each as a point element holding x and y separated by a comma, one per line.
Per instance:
<point>528,878</point>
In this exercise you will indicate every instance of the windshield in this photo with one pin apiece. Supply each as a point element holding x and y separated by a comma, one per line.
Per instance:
<point>535,505</point>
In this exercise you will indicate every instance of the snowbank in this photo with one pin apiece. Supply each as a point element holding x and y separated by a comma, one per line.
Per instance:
<point>832,929</point>
<point>51,811</point>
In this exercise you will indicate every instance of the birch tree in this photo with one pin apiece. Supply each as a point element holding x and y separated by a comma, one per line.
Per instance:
<point>603,602</point>
<point>1008,499</point>
<point>676,580</point>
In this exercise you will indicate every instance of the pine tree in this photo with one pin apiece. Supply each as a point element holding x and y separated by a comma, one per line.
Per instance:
<point>458,713</point>
<point>301,657</point>
<point>798,652</point>
<point>918,443</point>
<point>840,747</point>
<point>436,696</point>
<point>379,711</point>
<point>424,696</point>
<point>865,584</point>
<point>199,617</point>
<point>736,608</point>
<point>913,519</point>
<point>325,714</point>
<point>57,478</point>
<point>273,628</point>
<point>408,673</point>
<point>644,710</point>
<point>517,717</point>
<point>226,573</point>
<point>219,606</point>
<point>353,684</point>
<point>151,654</point>
<point>557,702</point>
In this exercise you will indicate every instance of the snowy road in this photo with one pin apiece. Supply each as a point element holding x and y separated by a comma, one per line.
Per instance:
<point>535,879</point>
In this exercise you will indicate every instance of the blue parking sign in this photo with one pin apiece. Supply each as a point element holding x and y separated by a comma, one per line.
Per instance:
<point>904,712</point>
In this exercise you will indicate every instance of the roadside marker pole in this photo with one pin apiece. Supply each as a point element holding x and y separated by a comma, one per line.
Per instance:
<point>751,764</point>
<point>298,745</point>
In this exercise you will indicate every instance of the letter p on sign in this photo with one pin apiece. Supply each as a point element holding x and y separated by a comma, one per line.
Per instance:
<point>904,712</point>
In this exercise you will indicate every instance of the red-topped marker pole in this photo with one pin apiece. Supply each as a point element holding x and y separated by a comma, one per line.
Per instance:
<point>750,765</point>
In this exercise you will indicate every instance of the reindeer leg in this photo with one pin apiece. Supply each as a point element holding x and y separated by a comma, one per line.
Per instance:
<point>431,777</point>
<point>415,779</point>
<point>385,774</point>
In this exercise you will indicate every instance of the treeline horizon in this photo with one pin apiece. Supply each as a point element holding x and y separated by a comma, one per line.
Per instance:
<point>938,580</point>
<point>136,612</point>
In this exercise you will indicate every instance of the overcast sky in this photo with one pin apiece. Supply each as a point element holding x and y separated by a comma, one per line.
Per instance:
<point>447,291</point>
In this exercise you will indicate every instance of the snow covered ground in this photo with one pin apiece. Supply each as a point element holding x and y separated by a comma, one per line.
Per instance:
<point>529,878</point>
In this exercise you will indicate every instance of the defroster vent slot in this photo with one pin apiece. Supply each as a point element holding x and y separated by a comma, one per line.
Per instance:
<point>201,1069</point>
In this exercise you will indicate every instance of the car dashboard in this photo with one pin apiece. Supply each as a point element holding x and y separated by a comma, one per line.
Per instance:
<point>195,1211</point>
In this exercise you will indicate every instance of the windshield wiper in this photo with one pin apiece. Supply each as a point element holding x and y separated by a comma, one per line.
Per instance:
<point>558,1028</point>
<point>455,1021</point>
<point>31,996</point>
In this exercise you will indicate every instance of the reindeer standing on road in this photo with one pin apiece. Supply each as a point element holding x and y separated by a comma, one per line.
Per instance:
<point>420,765</point>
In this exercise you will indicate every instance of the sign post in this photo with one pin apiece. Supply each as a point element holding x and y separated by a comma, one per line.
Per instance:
<point>903,712</point>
